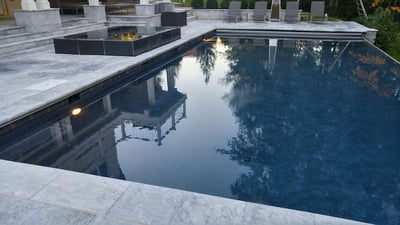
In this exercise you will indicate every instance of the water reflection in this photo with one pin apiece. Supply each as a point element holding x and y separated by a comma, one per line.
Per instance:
<point>87,142</point>
<point>304,124</point>
<point>313,132</point>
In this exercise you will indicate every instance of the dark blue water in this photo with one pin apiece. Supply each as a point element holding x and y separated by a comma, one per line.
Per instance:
<point>307,125</point>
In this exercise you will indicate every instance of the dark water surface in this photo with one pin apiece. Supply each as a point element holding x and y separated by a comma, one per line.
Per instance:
<point>307,125</point>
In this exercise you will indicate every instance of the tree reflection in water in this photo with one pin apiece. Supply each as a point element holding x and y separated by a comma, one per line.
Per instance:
<point>205,56</point>
<point>314,137</point>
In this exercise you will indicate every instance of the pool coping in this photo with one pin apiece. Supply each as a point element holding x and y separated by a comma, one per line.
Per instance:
<point>98,200</point>
<point>43,195</point>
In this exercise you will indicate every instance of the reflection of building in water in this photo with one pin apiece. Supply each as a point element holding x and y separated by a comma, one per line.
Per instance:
<point>146,108</point>
<point>87,142</point>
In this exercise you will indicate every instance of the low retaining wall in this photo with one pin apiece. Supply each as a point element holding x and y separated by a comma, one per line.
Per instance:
<point>222,14</point>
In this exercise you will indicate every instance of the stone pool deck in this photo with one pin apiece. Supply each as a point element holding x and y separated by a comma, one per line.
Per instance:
<point>34,78</point>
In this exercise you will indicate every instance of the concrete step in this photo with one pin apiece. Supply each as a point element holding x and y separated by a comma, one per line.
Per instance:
<point>11,30</point>
<point>6,39</point>
<point>18,46</point>
<point>131,20</point>
<point>83,28</point>
<point>191,18</point>
<point>75,22</point>
<point>42,39</point>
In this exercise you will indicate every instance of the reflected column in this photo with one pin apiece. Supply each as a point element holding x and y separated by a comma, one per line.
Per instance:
<point>61,129</point>
<point>171,73</point>
<point>151,94</point>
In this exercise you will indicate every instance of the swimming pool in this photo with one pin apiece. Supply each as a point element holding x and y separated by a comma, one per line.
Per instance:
<point>304,124</point>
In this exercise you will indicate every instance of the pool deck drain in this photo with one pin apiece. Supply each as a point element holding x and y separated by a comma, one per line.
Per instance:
<point>29,194</point>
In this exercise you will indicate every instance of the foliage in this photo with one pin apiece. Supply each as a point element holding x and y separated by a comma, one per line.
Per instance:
<point>395,51</point>
<point>212,4</point>
<point>224,4</point>
<point>244,4</point>
<point>250,4</point>
<point>188,3</point>
<point>197,4</point>
<point>305,5</point>
<point>388,29</point>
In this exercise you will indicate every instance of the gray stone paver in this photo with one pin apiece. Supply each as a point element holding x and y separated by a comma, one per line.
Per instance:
<point>76,190</point>
<point>106,220</point>
<point>203,209</point>
<point>328,220</point>
<point>24,180</point>
<point>75,198</point>
<point>148,204</point>
<point>51,196</point>
<point>25,212</point>
<point>260,214</point>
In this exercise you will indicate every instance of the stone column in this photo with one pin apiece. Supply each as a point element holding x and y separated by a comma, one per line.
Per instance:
<point>94,2</point>
<point>28,5</point>
<point>42,4</point>
<point>151,92</point>
<point>36,21</point>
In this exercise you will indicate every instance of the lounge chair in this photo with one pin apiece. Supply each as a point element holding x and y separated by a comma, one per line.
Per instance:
<point>292,12</point>
<point>260,11</point>
<point>234,11</point>
<point>275,10</point>
<point>318,10</point>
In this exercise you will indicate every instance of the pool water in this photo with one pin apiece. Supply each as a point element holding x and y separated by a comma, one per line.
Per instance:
<point>304,124</point>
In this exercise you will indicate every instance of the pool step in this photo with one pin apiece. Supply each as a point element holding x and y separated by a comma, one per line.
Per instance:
<point>82,28</point>
<point>11,30</point>
<point>7,39</point>
<point>75,22</point>
<point>129,20</point>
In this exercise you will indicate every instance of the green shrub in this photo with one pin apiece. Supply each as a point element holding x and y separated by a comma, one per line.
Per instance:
<point>251,4</point>
<point>212,4</point>
<point>387,28</point>
<point>395,51</point>
<point>197,4</point>
<point>244,4</point>
<point>224,4</point>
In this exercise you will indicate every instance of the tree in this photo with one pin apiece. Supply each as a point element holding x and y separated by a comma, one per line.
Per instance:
<point>224,4</point>
<point>197,4</point>
<point>388,29</point>
<point>205,56</point>
<point>212,4</point>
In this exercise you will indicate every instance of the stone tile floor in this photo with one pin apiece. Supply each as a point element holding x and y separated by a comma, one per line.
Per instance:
<point>38,195</point>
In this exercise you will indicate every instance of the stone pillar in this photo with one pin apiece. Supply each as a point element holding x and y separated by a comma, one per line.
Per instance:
<point>28,5</point>
<point>96,13</point>
<point>145,10</point>
<point>36,21</point>
<point>42,4</point>
<point>94,2</point>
